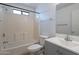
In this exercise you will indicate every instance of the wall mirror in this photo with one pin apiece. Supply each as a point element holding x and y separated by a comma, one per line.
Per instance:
<point>67,18</point>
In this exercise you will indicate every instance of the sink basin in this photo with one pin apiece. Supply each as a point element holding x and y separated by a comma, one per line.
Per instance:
<point>69,43</point>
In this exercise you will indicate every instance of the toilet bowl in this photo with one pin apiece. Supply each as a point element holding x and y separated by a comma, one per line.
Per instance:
<point>37,47</point>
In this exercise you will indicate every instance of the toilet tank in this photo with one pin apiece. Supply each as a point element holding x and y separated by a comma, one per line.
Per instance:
<point>42,39</point>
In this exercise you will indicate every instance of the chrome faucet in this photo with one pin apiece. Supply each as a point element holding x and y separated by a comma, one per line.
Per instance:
<point>67,38</point>
<point>5,42</point>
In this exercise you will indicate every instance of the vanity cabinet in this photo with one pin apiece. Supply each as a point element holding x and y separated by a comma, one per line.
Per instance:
<point>52,49</point>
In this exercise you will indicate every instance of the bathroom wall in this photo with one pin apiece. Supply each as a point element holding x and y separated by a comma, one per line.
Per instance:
<point>66,18</point>
<point>18,29</point>
<point>47,19</point>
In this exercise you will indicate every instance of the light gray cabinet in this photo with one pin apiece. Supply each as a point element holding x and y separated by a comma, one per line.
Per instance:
<point>52,49</point>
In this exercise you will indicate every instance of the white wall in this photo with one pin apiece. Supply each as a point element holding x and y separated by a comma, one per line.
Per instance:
<point>47,19</point>
<point>64,18</point>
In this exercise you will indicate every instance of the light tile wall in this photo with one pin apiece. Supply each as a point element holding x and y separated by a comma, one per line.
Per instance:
<point>47,19</point>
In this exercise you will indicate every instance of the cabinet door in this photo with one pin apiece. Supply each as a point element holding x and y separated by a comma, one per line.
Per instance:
<point>63,51</point>
<point>50,49</point>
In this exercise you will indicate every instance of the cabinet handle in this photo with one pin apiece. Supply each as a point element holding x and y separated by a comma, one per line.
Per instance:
<point>73,32</point>
<point>59,52</point>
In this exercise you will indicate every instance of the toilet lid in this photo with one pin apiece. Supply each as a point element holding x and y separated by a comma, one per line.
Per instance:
<point>35,46</point>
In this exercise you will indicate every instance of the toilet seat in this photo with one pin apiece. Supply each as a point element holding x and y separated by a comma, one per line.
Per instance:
<point>34,47</point>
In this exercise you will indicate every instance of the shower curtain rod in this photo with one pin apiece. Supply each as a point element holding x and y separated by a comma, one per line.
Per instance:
<point>20,8</point>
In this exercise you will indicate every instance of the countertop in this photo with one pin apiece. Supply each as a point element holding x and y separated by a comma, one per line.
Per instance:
<point>65,44</point>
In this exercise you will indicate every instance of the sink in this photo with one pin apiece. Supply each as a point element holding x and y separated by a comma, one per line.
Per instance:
<point>69,43</point>
<point>62,42</point>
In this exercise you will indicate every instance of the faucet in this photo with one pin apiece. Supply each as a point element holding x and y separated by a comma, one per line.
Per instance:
<point>67,38</point>
<point>5,42</point>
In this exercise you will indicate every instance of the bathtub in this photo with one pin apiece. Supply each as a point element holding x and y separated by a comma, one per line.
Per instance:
<point>18,50</point>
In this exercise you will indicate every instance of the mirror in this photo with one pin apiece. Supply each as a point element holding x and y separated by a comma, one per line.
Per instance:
<point>67,18</point>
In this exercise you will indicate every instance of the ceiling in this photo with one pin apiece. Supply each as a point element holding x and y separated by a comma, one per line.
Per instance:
<point>34,5</point>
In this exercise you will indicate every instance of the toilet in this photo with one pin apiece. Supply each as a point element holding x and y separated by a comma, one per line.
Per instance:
<point>37,48</point>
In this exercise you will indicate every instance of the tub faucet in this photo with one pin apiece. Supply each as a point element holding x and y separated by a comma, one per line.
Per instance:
<point>67,38</point>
